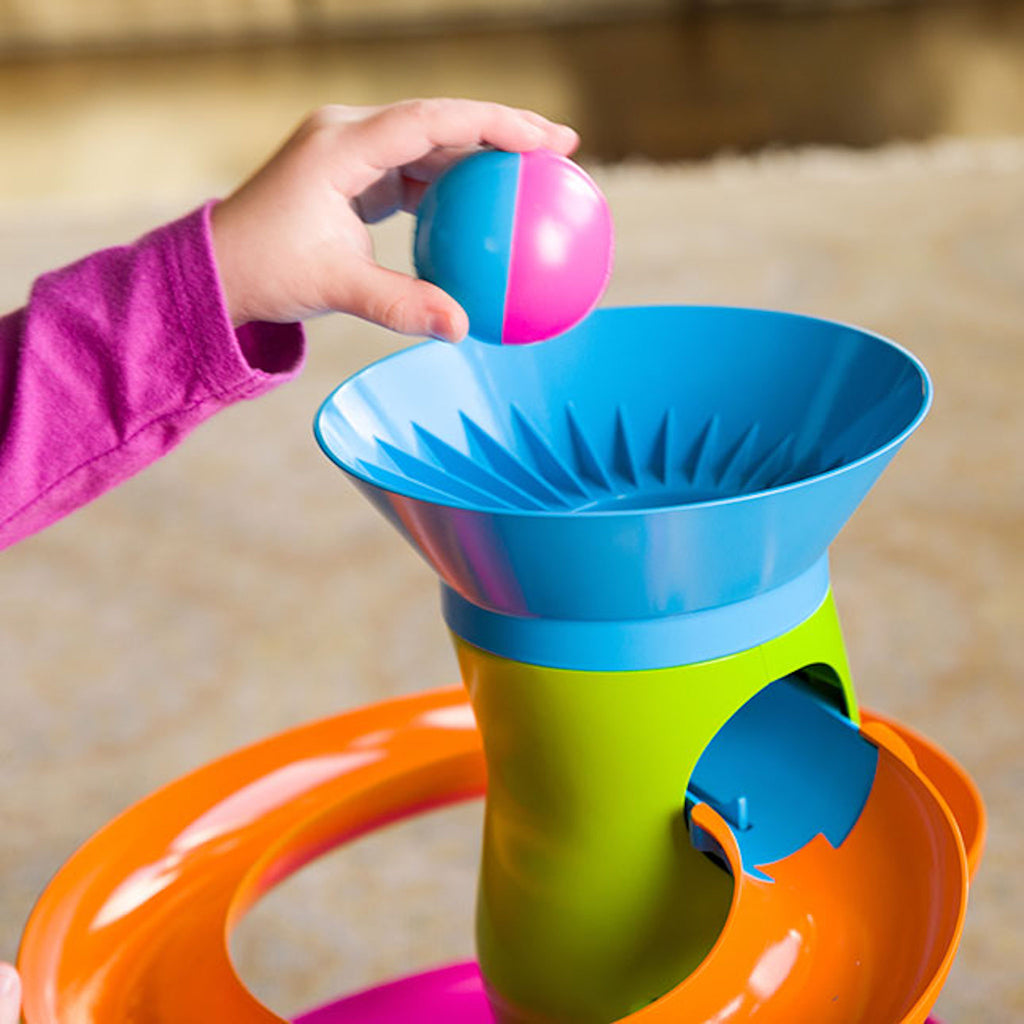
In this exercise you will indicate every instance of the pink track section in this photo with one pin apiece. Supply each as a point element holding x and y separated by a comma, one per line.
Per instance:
<point>561,251</point>
<point>449,995</point>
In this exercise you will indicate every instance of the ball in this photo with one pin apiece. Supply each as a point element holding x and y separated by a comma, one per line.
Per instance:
<point>522,241</point>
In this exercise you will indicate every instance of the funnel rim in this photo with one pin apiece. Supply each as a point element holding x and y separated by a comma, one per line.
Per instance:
<point>496,509</point>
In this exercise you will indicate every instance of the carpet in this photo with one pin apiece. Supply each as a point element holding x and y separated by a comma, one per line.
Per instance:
<point>242,586</point>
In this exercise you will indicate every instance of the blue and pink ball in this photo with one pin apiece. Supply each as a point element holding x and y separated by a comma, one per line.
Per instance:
<point>523,241</point>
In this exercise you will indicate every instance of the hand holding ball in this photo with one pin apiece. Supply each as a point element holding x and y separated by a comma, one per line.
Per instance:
<point>523,241</point>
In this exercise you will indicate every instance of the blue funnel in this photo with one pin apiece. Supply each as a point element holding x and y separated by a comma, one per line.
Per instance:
<point>650,464</point>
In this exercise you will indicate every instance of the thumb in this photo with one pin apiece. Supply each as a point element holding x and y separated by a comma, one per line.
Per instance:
<point>400,302</point>
<point>10,995</point>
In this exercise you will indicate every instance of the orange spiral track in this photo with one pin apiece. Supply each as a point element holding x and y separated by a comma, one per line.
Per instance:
<point>134,928</point>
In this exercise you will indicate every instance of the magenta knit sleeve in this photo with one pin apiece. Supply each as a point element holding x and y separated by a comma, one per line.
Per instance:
<point>111,364</point>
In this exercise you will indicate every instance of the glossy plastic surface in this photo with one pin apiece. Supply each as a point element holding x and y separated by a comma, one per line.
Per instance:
<point>463,240</point>
<point>593,478</point>
<point>665,641</point>
<point>134,927</point>
<point>523,241</point>
<point>562,249</point>
<point>863,933</point>
<point>450,995</point>
<point>591,901</point>
<point>786,767</point>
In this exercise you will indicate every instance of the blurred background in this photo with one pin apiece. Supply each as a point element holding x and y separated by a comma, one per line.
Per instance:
<point>112,98</point>
<point>862,161</point>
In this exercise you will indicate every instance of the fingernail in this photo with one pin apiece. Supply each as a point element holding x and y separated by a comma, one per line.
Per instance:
<point>441,328</point>
<point>570,134</point>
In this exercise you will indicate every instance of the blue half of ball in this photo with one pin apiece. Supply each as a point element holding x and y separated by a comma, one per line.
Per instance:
<point>463,238</point>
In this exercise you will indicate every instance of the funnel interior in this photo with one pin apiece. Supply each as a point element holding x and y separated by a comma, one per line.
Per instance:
<point>634,409</point>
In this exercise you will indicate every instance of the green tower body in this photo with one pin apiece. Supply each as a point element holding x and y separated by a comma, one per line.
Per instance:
<point>592,899</point>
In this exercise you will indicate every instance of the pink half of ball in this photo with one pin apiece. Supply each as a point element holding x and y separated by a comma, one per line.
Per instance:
<point>561,250</point>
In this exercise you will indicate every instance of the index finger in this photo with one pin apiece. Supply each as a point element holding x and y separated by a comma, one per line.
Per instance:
<point>407,132</point>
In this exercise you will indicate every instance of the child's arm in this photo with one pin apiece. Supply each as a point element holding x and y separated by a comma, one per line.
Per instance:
<point>112,362</point>
<point>115,359</point>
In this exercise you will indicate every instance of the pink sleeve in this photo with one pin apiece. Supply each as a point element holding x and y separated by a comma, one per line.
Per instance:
<point>114,360</point>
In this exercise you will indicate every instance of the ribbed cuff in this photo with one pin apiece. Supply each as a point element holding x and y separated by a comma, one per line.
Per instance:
<point>248,361</point>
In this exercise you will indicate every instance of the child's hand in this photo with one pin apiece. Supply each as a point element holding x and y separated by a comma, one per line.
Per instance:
<point>10,995</point>
<point>292,241</point>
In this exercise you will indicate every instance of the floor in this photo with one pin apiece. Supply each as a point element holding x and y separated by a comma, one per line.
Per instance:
<point>238,587</point>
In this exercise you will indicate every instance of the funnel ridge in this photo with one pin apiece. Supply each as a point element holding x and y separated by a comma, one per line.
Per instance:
<point>439,478</point>
<point>651,462</point>
<point>703,442</point>
<point>661,450</point>
<point>773,465</point>
<point>510,466</point>
<point>590,467</point>
<point>463,466</point>
<point>530,470</point>
<point>622,455</point>
<point>545,459</point>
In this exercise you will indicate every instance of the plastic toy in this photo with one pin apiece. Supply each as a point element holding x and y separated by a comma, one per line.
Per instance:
<point>522,241</point>
<point>688,817</point>
<point>135,926</point>
<point>632,542</point>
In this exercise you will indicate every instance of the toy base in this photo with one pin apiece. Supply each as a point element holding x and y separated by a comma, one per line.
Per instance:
<point>448,995</point>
